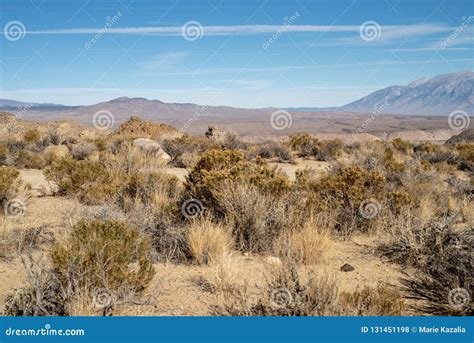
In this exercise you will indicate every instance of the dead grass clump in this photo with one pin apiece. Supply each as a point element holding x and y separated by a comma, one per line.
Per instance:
<point>8,183</point>
<point>221,277</point>
<point>208,241</point>
<point>443,257</point>
<point>308,245</point>
<point>373,301</point>
<point>287,294</point>
<point>256,218</point>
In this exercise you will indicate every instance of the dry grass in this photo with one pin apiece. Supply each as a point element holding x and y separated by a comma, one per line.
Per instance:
<point>15,240</point>
<point>309,245</point>
<point>292,292</point>
<point>222,274</point>
<point>208,241</point>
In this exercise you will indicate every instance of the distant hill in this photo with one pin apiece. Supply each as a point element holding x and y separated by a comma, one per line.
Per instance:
<point>13,105</point>
<point>439,95</point>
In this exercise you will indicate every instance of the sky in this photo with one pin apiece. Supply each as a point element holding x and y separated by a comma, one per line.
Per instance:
<point>246,53</point>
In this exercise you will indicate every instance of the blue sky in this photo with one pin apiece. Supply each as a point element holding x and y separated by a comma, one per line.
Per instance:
<point>222,52</point>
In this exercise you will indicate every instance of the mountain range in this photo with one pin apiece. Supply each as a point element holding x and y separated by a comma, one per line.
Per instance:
<point>439,95</point>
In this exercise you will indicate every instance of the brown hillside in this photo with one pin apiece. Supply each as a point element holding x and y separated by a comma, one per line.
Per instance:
<point>138,128</point>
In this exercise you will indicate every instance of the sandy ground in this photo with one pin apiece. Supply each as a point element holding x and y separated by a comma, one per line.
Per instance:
<point>179,289</point>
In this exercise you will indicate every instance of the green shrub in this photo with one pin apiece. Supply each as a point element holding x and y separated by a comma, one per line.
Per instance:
<point>344,193</point>
<point>218,166</point>
<point>103,255</point>
<point>304,144</point>
<point>271,150</point>
<point>91,181</point>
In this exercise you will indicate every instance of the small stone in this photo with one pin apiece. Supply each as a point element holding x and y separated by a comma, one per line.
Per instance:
<point>346,267</point>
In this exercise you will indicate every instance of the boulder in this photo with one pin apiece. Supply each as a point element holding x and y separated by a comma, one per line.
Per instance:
<point>56,151</point>
<point>151,146</point>
<point>38,185</point>
<point>216,134</point>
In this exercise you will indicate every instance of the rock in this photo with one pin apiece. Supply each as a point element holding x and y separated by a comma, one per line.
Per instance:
<point>216,134</point>
<point>346,267</point>
<point>39,185</point>
<point>56,151</point>
<point>151,146</point>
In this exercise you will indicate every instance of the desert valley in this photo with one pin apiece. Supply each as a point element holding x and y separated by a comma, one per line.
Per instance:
<point>140,207</point>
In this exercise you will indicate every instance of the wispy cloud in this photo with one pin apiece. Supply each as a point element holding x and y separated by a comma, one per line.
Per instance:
<point>389,31</point>
<point>164,61</point>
